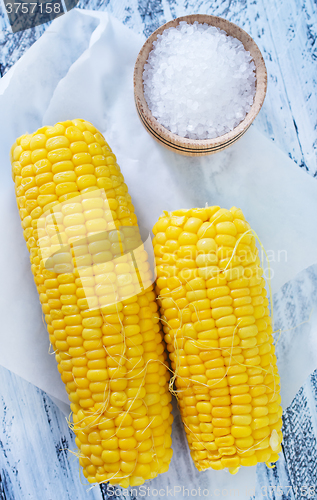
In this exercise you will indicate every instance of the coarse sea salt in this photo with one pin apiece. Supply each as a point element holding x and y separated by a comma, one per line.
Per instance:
<point>199,82</point>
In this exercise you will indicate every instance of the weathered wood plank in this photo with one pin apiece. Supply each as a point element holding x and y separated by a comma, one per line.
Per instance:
<point>300,434</point>
<point>296,53</point>
<point>287,41</point>
<point>274,483</point>
<point>298,464</point>
<point>36,446</point>
<point>31,427</point>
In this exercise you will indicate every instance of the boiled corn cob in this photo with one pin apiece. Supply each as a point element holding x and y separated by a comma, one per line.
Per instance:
<point>97,297</point>
<point>217,325</point>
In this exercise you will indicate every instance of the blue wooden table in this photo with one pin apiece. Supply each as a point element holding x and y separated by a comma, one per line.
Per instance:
<point>35,461</point>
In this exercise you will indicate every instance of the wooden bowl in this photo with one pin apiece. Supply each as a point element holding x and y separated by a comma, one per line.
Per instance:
<point>192,147</point>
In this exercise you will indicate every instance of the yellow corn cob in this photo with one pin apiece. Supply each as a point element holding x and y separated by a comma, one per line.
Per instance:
<point>218,331</point>
<point>89,267</point>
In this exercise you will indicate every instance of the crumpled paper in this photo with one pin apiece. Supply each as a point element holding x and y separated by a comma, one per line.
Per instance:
<point>82,67</point>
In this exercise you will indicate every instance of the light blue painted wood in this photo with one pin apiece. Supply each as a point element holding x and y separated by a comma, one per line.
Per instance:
<point>34,436</point>
<point>285,32</point>
<point>293,26</point>
<point>36,446</point>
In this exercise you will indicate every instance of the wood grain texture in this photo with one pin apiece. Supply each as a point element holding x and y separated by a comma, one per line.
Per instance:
<point>37,446</point>
<point>284,30</point>
<point>293,305</point>
<point>35,461</point>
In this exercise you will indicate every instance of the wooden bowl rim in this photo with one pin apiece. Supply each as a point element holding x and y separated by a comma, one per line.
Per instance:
<point>200,144</point>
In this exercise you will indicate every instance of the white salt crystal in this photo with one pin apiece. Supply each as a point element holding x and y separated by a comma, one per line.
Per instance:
<point>198,82</point>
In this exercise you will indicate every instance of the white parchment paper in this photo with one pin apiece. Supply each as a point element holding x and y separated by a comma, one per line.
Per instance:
<point>82,67</point>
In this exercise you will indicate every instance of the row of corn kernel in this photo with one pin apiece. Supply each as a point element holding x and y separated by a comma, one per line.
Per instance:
<point>43,171</point>
<point>97,392</point>
<point>261,362</point>
<point>123,368</point>
<point>217,242</point>
<point>178,299</point>
<point>136,439</point>
<point>104,376</point>
<point>123,365</point>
